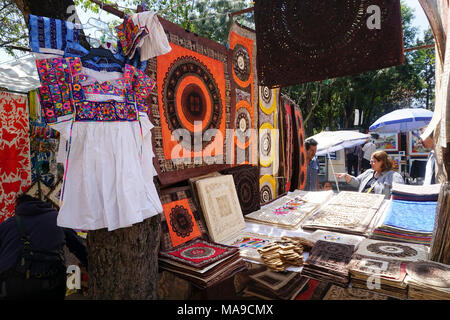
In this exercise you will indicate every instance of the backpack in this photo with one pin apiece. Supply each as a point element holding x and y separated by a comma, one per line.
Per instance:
<point>20,281</point>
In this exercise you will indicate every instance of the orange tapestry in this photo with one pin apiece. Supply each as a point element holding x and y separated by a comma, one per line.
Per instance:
<point>180,221</point>
<point>191,96</point>
<point>242,42</point>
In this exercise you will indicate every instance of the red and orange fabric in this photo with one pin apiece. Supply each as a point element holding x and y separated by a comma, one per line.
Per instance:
<point>173,112</point>
<point>15,170</point>
<point>180,221</point>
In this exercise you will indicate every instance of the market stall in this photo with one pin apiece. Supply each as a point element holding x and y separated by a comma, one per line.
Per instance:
<point>177,160</point>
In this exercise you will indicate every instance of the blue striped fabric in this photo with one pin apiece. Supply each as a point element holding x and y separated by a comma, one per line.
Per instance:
<point>49,33</point>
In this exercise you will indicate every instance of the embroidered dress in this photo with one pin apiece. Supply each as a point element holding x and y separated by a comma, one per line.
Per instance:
<point>144,31</point>
<point>108,171</point>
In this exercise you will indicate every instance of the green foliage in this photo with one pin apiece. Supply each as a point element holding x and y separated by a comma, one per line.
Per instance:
<point>13,28</point>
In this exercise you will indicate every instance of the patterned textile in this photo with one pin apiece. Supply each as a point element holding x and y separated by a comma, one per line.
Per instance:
<point>48,35</point>
<point>15,171</point>
<point>247,186</point>
<point>339,293</point>
<point>348,212</point>
<point>315,40</point>
<point>199,253</point>
<point>182,220</point>
<point>220,206</point>
<point>193,95</point>
<point>299,151</point>
<point>328,261</point>
<point>129,35</point>
<point>43,150</point>
<point>275,285</point>
<point>286,145</point>
<point>392,250</point>
<point>77,51</point>
<point>143,31</point>
<point>243,46</point>
<point>408,221</point>
<point>268,143</point>
<point>61,92</point>
<point>286,212</point>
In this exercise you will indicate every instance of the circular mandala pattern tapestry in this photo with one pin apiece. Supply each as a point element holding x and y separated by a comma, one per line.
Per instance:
<point>247,190</point>
<point>198,252</point>
<point>267,99</point>
<point>243,125</point>
<point>181,221</point>
<point>190,97</point>
<point>241,63</point>
<point>338,24</point>
<point>267,188</point>
<point>266,144</point>
<point>392,250</point>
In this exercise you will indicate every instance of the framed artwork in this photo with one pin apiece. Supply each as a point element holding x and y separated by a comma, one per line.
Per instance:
<point>55,194</point>
<point>396,164</point>
<point>387,141</point>
<point>415,148</point>
<point>34,190</point>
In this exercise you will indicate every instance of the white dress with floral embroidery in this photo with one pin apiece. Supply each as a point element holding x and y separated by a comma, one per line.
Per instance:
<point>109,164</point>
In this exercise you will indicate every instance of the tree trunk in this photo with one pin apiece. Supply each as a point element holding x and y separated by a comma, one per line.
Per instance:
<point>123,264</point>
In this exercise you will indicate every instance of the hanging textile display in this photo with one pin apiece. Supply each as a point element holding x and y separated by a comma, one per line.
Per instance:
<point>268,143</point>
<point>15,170</point>
<point>242,43</point>
<point>48,35</point>
<point>108,178</point>
<point>286,145</point>
<point>246,180</point>
<point>299,151</point>
<point>315,40</point>
<point>191,108</point>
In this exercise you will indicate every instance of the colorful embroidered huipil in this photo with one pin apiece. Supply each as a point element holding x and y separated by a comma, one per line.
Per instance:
<point>108,172</point>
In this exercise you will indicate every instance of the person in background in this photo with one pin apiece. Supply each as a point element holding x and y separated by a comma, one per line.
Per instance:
<point>378,179</point>
<point>312,166</point>
<point>367,149</point>
<point>327,186</point>
<point>354,154</point>
<point>428,142</point>
<point>46,279</point>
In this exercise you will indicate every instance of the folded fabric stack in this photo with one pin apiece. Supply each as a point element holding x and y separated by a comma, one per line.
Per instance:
<point>428,280</point>
<point>289,211</point>
<point>279,255</point>
<point>270,285</point>
<point>381,266</point>
<point>201,262</point>
<point>410,216</point>
<point>348,212</point>
<point>328,261</point>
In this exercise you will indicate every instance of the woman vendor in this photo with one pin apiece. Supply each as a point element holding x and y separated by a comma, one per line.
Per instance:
<point>377,180</point>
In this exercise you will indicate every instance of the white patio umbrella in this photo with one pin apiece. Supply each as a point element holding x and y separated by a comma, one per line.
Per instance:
<point>402,120</point>
<point>331,141</point>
